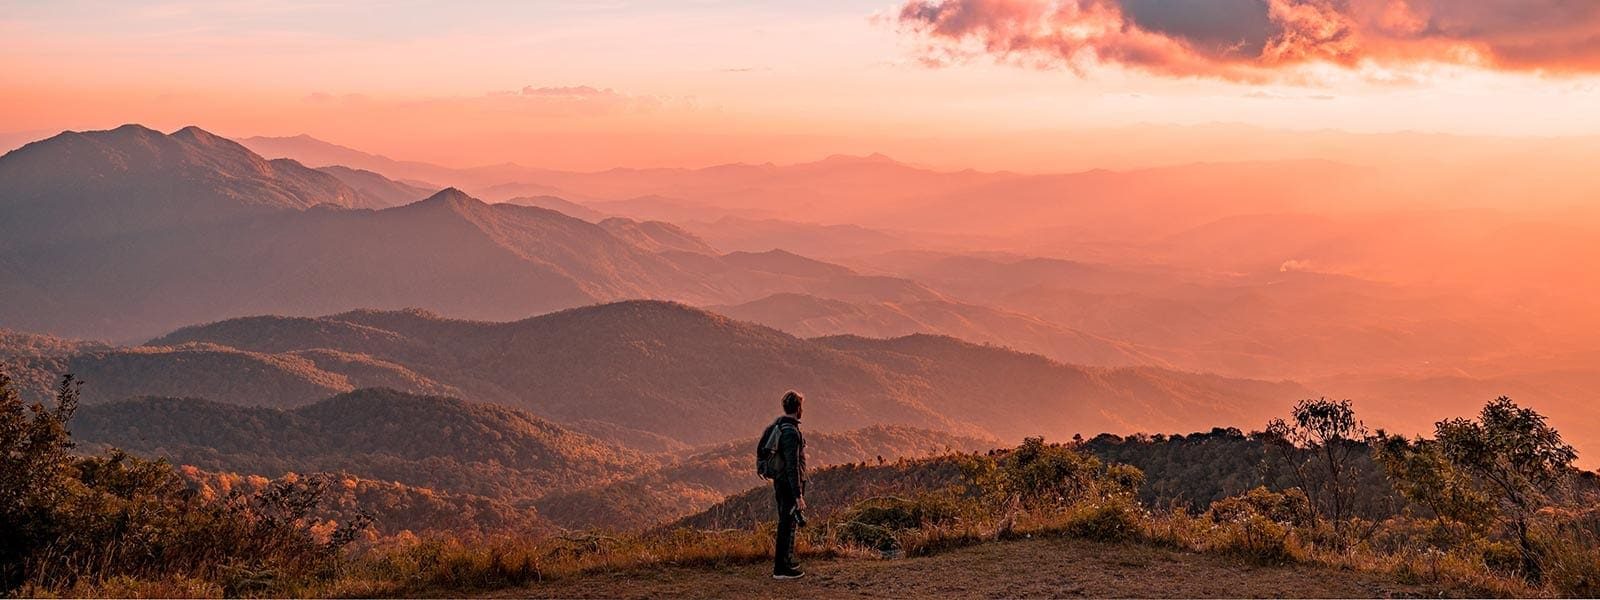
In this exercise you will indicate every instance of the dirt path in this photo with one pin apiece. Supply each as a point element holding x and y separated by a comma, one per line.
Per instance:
<point>1023,569</point>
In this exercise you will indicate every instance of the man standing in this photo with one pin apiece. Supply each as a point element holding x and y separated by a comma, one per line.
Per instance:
<point>788,482</point>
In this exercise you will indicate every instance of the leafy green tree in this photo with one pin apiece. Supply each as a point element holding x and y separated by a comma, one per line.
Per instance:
<point>1321,447</point>
<point>1037,474</point>
<point>1513,456</point>
<point>1420,472</point>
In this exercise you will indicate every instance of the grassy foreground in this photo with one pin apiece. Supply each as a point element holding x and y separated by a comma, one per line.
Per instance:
<point>1491,511</point>
<point>1027,568</point>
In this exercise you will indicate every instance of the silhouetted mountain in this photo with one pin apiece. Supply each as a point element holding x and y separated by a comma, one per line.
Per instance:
<point>809,316</point>
<point>98,221</point>
<point>427,441</point>
<point>656,236</point>
<point>700,480</point>
<point>986,276</point>
<point>202,370</point>
<point>760,235</point>
<point>785,262</point>
<point>448,252</point>
<point>786,272</point>
<point>98,184</point>
<point>561,205</point>
<point>657,375</point>
<point>389,191</point>
<point>1061,211</point>
<point>1056,400</point>
<point>319,153</point>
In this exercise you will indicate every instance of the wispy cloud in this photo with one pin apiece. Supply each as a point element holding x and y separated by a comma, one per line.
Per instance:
<point>530,102</point>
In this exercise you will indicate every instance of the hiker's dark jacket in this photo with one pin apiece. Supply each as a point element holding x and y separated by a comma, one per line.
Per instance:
<point>792,447</point>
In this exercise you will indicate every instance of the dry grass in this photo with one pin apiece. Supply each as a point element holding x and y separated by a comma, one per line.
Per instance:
<point>1260,543</point>
<point>1027,568</point>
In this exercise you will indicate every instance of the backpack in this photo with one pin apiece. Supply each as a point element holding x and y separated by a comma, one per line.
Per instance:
<point>769,461</point>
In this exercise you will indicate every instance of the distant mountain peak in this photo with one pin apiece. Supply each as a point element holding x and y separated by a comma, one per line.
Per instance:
<point>450,196</point>
<point>158,181</point>
<point>195,134</point>
<point>874,158</point>
<point>127,128</point>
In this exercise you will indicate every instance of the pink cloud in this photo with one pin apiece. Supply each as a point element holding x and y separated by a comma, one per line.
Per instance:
<point>1256,40</point>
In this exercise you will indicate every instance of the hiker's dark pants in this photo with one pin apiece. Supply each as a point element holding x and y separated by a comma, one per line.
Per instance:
<point>783,555</point>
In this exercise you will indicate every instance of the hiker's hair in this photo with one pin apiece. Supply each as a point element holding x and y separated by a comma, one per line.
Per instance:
<point>791,402</point>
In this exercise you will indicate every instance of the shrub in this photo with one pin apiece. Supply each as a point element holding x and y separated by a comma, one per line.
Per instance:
<point>1501,558</point>
<point>1259,539</point>
<point>1568,547</point>
<point>878,522</point>
<point>1113,520</point>
<point>1290,507</point>
<point>1258,524</point>
<point>1410,534</point>
<point>1040,476</point>
<point>1177,528</point>
<point>78,523</point>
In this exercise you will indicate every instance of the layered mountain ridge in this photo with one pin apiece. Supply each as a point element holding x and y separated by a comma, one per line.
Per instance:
<point>129,232</point>
<point>659,376</point>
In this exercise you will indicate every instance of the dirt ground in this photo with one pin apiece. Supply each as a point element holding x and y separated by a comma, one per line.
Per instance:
<point>1050,568</point>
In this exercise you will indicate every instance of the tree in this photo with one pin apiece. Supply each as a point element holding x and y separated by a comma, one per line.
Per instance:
<point>1320,448</point>
<point>1421,473</point>
<point>34,461</point>
<point>1514,457</point>
<point>67,518</point>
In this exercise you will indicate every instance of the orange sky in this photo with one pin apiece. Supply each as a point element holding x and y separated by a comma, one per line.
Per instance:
<point>954,83</point>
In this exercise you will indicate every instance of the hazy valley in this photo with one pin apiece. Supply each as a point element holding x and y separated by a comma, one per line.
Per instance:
<point>554,352</point>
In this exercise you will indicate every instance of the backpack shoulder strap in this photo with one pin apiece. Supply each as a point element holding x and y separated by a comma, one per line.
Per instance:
<point>774,432</point>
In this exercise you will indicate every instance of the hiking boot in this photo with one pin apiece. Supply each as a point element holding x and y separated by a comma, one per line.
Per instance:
<point>789,573</point>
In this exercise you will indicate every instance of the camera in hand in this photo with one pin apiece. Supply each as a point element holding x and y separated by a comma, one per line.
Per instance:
<point>799,518</point>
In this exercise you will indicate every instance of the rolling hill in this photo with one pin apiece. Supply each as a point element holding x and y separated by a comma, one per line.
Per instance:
<point>810,316</point>
<point>696,482</point>
<point>388,191</point>
<point>561,205</point>
<point>395,508</point>
<point>661,376</point>
<point>424,441</point>
<point>656,236</point>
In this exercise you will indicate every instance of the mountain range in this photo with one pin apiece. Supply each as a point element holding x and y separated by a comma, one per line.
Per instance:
<point>655,376</point>
<point>1117,281</point>
<point>126,233</point>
